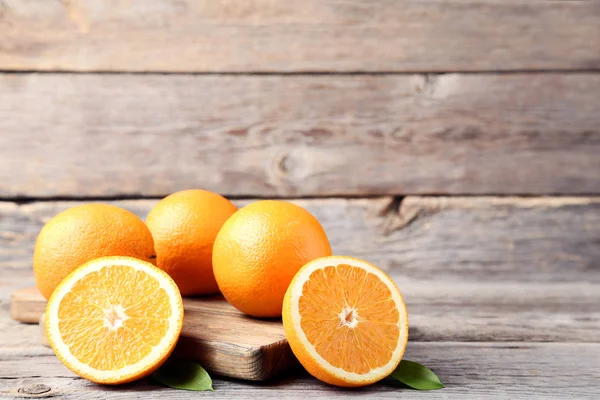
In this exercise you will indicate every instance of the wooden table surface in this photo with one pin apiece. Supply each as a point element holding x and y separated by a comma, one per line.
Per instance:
<point>485,326</point>
<point>469,369</point>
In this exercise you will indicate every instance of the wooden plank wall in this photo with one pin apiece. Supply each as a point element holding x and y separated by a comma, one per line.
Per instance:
<point>107,135</point>
<point>454,143</point>
<point>300,35</point>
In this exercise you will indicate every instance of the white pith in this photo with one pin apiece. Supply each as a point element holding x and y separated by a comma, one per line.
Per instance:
<point>115,316</point>
<point>296,293</point>
<point>118,315</point>
<point>349,317</point>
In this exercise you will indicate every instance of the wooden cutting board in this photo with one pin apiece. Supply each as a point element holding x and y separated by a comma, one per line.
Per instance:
<point>222,339</point>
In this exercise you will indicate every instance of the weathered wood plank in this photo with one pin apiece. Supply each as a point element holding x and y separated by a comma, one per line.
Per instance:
<point>454,311</point>
<point>521,239</point>
<point>474,370</point>
<point>290,136</point>
<point>14,335</point>
<point>471,269</point>
<point>465,239</point>
<point>310,35</point>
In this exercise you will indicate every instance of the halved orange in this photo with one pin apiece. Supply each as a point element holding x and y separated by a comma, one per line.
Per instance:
<point>114,319</point>
<point>345,320</point>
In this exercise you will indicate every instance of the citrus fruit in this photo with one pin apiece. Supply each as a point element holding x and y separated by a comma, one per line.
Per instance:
<point>184,226</point>
<point>83,233</point>
<point>114,319</point>
<point>345,321</point>
<point>259,250</point>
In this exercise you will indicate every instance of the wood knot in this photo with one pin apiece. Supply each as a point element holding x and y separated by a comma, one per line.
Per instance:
<point>34,389</point>
<point>284,164</point>
<point>318,133</point>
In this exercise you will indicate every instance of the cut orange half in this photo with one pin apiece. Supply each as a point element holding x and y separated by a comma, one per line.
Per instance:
<point>114,319</point>
<point>345,320</point>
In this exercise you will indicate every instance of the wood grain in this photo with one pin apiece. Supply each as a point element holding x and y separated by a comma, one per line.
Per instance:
<point>310,35</point>
<point>470,269</point>
<point>211,334</point>
<point>470,370</point>
<point>439,311</point>
<point>107,135</point>
<point>466,239</point>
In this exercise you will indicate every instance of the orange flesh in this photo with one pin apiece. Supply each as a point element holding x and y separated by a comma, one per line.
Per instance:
<point>350,318</point>
<point>124,314</point>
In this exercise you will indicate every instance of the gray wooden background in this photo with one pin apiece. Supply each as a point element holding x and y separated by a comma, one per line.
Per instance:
<point>454,143</point>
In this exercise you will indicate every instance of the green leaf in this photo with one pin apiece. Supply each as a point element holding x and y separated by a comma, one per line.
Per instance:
<point>416,376</point>
<point>185,375</point>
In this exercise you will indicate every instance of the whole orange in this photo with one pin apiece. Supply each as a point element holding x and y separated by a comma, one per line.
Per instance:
<point>83,233</point>
<point>184,226</point>
<point>259,250</point>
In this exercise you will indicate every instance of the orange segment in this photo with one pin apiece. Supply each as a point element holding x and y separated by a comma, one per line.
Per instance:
<point>114,319</point>
<point>345,320</point>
